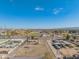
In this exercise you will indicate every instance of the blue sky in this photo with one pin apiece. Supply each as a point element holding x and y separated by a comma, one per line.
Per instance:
<point>39,13</point>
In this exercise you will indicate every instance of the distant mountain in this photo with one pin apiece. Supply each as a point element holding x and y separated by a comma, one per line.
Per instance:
<point>53,29</point>
<point>68,28</point>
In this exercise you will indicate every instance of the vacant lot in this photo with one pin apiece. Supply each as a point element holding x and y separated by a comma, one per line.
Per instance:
<point>35,50</point>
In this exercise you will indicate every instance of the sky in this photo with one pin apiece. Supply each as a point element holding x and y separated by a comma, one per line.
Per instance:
<point>38,14</point>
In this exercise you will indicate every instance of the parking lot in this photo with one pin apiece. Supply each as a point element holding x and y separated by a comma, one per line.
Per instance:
<point>66,48</point>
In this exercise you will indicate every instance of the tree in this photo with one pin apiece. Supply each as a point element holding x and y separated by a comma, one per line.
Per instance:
<point>74,37</point>
<point>67,37</point>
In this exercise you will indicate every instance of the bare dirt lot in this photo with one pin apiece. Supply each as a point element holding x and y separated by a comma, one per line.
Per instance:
<point>35,50</point>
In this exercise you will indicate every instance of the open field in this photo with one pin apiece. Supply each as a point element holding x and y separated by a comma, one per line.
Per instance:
<point>35,50</point>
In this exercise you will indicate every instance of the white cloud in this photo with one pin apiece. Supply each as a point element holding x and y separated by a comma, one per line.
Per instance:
<point>39,9</point>
<point>57,10</point>
<point>61,8</point>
